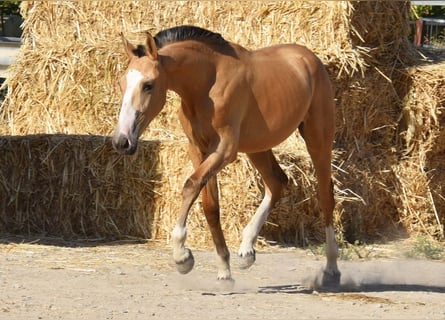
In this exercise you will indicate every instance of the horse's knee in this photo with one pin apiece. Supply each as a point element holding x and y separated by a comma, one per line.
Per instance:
<point>191,188</point>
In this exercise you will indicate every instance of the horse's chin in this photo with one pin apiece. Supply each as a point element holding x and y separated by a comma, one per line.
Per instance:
<point>129,151</point>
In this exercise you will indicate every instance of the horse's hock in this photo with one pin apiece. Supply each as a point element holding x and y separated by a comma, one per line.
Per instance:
<point>60,176</point>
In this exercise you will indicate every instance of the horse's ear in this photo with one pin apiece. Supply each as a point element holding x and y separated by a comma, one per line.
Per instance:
<point>151,47</point>
<point>130,49</point>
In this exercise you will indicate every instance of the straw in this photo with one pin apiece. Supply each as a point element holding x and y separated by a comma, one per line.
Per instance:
<point>60,176</point>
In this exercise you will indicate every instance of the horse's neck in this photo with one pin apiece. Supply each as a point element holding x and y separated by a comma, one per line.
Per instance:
<point>189,70</point>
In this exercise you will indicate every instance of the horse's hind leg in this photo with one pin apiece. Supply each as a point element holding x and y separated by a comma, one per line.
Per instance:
<point>274,181</point>
<point>318,133</point>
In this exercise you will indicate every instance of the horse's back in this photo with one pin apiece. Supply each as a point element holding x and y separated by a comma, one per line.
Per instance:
<point>287,53</point>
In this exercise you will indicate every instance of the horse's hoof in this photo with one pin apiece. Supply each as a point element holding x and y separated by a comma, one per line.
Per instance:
<point>225,278</point>
<point>331,280</point>
<point>186,265</point>
<point>226,283</point>
<point>224,275</point>
<point>247,260</point>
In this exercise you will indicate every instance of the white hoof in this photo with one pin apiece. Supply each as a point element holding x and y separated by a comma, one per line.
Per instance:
<point>247,259</point>
<point>186,263</point>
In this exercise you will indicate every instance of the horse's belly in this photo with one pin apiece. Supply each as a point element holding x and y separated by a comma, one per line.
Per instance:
<point>261,137</point>
<point>272,121</point>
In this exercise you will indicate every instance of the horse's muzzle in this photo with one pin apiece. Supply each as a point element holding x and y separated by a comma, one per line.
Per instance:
<point>123,144</point>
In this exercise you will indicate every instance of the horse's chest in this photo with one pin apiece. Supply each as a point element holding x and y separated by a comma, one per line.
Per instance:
<point>198,130</point>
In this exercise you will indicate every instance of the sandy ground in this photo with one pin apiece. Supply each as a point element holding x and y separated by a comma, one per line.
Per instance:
<point>139,281</point>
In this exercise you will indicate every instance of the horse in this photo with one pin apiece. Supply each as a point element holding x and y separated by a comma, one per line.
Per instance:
<point>232,100</point>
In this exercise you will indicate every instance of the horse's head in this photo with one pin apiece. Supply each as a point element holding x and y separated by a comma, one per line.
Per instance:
<point>144,88</point>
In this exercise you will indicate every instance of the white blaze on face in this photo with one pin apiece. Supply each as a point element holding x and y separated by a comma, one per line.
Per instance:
<point>127,115</point>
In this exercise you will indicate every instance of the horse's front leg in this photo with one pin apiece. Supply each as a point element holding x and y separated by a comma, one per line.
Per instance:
<point>210,204</point>
<point>204,172</point>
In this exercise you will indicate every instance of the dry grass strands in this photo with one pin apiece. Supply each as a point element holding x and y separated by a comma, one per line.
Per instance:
<point>423,137</point>
<point>389,131</point>
<point>67,69</point>
<point>96,193</point>
<point>75,186</point>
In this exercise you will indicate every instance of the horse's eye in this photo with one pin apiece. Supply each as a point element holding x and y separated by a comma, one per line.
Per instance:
<point>147,86</point>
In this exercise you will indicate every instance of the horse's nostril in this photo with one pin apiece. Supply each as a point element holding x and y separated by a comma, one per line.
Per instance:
<point>121,143</point>
<point>124,143</point>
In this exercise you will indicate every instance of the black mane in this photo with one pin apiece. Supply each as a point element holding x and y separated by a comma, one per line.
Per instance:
<point>182,33</point>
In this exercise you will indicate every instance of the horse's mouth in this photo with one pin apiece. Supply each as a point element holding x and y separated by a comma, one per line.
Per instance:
<point>126,142</point>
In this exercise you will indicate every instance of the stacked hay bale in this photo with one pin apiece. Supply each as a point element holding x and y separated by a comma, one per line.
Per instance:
<point>420,171</point>
<point>382,167</point>
<point>70,182</point>
<point>72,53</point>
<point>74,185</point>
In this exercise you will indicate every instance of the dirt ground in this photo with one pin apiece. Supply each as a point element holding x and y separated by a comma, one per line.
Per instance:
<point>139,281</point>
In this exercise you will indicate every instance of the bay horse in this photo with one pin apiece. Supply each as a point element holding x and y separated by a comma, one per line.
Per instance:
<point>232,100</point>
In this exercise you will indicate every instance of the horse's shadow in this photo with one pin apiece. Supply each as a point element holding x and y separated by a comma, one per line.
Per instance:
<point>367,287</point>
<point>285,288</point>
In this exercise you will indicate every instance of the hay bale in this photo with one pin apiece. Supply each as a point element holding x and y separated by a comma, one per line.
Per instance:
<point>73,55</point>
<point>96,193</point>
<point>422,137</point>
<point>383,28</point>
<point>65,76</point>
<point>75,186</point>
<point>389,130</point>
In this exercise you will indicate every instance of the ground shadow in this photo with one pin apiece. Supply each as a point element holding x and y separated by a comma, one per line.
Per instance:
<point>6,238</point>
<point>402,275</point>
<point>364,288</point>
